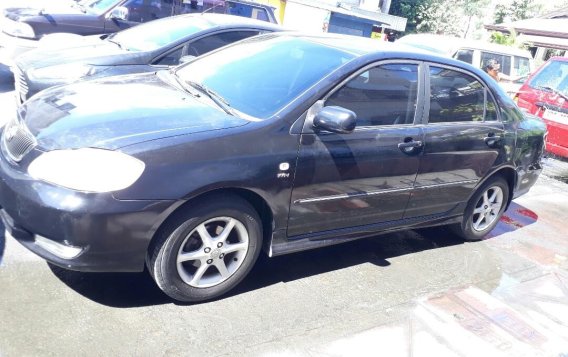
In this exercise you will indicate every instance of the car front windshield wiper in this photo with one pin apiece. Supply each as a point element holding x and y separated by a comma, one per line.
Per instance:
<point>189,89</point>
<point>214,96</point>
<point>555,91</point>
<point>109,39</point>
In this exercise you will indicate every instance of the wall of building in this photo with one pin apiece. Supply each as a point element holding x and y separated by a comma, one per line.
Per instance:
<point>306,18</point>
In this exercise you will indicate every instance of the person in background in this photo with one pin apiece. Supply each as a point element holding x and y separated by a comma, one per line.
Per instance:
<point>492,68</point>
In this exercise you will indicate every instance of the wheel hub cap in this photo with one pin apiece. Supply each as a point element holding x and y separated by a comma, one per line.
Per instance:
<point>215,254</point>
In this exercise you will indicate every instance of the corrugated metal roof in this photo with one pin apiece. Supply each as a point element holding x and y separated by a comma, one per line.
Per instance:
<point>556,14</point>
<point>556,27</point>
<point>548,42</point>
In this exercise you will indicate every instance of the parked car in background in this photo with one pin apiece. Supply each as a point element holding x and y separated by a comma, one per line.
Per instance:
<point>34,3</point>
<point>545,94</point>
<point>516,64</point>
<point>282,141</point>
<point>23,27</point>
<point>146,48</point>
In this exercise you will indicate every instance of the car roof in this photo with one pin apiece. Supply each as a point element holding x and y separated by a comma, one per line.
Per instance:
<point>450,44</point>
<point>369,50</point>
<point>362,46</point>
<point>223,20</point>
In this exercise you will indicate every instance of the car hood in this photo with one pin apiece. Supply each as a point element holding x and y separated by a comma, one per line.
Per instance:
<point>119,111</point>
<point>102,53</point>
<point>18,13</point>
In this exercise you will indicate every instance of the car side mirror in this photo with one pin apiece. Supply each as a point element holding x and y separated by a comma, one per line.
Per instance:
<point>335,119</point>
<point>118,13</point>
<point>187,58</point>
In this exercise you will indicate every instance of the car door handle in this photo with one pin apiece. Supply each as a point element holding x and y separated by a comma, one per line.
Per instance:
<point>492,140</point>
<point>410,147</point>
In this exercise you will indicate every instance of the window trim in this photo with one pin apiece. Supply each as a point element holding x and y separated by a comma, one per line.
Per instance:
<point>420,95</point>
<point>186,42</point>
<point>426,118</point>
<point>183,46</point>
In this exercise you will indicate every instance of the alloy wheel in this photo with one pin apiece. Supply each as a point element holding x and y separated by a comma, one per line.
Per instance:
<point>212,252</point>
<point>487,209</point>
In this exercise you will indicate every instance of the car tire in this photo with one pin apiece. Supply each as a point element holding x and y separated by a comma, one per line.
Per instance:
<point>484,209</point>
<point>205,251</point>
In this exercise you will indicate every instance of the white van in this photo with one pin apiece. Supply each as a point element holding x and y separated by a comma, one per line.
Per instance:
<point>516,64</point>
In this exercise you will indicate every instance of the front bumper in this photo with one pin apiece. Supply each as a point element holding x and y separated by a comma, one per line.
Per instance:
<point>113,235</point>
<point>11,47</point>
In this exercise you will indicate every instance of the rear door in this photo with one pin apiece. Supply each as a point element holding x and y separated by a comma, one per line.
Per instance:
<point>463,141</point>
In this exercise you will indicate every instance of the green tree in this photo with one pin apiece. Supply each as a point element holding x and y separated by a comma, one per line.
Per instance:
<point>409,10</point>
<point>516,10</point>
<point>503,39</point>
<point>473,9</point>
<point>449,17</point>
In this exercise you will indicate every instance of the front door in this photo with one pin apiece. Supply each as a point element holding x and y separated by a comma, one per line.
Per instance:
<point>140,11</point>
<point>463,141</point>
<point>361,178</point>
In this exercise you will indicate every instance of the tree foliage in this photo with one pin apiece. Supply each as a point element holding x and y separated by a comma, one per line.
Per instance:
<point>407,9</point>
<point>503,38</point>
<point>448,17</point>
<point>516,10</point>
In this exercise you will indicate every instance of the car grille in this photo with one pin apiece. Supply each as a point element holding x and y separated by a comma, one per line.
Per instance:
<point>17,140</point>
<point>20,84</point>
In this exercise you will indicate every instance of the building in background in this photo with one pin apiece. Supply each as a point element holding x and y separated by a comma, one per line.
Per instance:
<point>545,35</point>
<point>350,18</point>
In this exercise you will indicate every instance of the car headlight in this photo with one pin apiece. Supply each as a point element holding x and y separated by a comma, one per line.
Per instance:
<point>88,170</point>
<point>64,72</point>
<point>18,29</point>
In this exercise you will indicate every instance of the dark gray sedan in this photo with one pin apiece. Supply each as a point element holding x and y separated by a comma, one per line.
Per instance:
<point>282,142</point>
<point>146,48</point>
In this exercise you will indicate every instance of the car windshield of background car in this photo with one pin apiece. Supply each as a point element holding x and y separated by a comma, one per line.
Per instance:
<point>261,75</point>
<point>156,34</point>
<point>554,75</point>
<point>100,6</point>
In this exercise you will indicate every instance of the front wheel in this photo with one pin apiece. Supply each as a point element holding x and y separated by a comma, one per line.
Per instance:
<point>207,250</point>
<point>483,210</point>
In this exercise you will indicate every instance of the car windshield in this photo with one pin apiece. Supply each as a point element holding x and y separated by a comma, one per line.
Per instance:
<point>99,6</point>
<point>553,76</point>
<point>155,34</point>
<point>261,75</point>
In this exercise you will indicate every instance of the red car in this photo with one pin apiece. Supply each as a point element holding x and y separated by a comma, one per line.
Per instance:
<point>545,94</point>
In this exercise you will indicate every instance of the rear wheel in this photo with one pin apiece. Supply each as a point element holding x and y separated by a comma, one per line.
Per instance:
<point>484,210</point>
<point>207,250</point>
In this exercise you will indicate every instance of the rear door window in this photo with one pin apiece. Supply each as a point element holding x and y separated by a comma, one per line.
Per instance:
<point>457,97</point>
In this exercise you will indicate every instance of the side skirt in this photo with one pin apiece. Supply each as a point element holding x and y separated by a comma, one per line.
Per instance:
<point>281,244</point>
